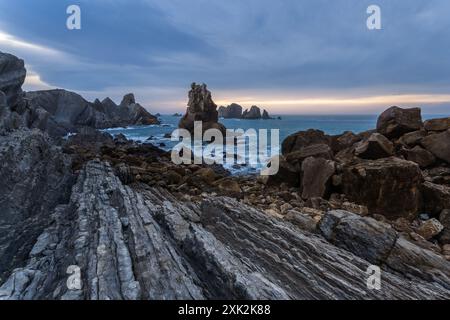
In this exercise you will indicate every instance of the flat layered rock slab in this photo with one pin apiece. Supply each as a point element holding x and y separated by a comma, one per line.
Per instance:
<point>137,242</point>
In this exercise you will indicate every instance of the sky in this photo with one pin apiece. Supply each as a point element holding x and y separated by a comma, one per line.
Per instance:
<point>288,56</point>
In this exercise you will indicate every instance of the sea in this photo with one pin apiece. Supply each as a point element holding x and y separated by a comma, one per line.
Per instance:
<point>159,135</point>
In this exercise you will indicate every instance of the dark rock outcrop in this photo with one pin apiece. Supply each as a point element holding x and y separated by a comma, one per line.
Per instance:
<point>376,147</point>
<point>420,156</point>
<point>438,144</point>
<point>12,76</point>
<point>253,114</point>
<point>233,111</point>
<point>297,141</point>
<point>201,108</point>
<point>395,121</point>
<point>36,177</point>
<point>389,186</point>
<point>316,175</point>
<point>69,111</point>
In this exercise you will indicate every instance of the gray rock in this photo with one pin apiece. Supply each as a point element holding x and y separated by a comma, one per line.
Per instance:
<point>12,76</point>
<point>253,114</point>
<point>435,197</point>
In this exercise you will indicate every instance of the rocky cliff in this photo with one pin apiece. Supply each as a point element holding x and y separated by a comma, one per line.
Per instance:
<point>201,108</point>
<point>104,218</point>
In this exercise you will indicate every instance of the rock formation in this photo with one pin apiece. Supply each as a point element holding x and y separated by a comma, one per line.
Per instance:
<point>70,111</point>
<point>233,111</point>
<point>201,108</point>
<point>133,225</point>
<point>380,170</point>
<point>253,114</point>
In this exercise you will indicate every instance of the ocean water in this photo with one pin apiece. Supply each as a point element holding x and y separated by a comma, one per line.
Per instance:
<point>159,135</point>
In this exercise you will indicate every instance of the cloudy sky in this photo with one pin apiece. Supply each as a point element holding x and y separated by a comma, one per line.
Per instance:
<point>290,56</point>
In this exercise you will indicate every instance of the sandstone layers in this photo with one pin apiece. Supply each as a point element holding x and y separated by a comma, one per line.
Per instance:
<point>139,227</point>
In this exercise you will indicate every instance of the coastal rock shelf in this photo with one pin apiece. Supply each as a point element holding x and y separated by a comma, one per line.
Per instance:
<point>97,217</point>
<point>137,242</point>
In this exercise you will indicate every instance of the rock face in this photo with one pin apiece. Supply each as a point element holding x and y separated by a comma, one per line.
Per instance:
<point>233,111</point>
<point>395,121</point>
<point>316,174</point>
<point>420,156</point>
<point>265,115</point>
<point>69,111</point>
<point>253,114</point>
<point>201,108</point>
<point>36,177</point>
<point>136,242</point>
<point>12,76</point>
<point>437,124</point>
<point>302,139</point>
<point>376,147</point>
<point>389,187</point>
<point>439,145</point>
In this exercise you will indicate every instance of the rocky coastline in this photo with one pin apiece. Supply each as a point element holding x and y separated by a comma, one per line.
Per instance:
<point>140,227</point>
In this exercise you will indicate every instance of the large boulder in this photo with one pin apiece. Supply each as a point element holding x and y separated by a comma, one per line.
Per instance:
<point>444,218</point>
<point>365,237</point>
<point>395,121</point>
<point>316,150</point>
<point>376,147</point>
<point>412,138</point>
<point>441,124</point>
<point>287,173</point>
<point>438,144</point>
<point>389,187</point>
<point>435,197</point>
<point>201,108</point>
<point>316,177</point>
<point>302,139</point>
<point>420,156</point>
<point>253,114</point>
<point>12,76</point>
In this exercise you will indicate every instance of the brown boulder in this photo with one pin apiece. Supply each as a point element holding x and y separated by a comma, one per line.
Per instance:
<point>420,156</point>
<point>388,187</point>
<point>441,124</point>
<point>412,138</point>
<point>435,197</point>
<point>316,177</point>
<point>395,121</point>
<point>287,173</point>
<point>438,144</point>
<point>315,150</point>
<point>297,141</point>
<point>376,147</point>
